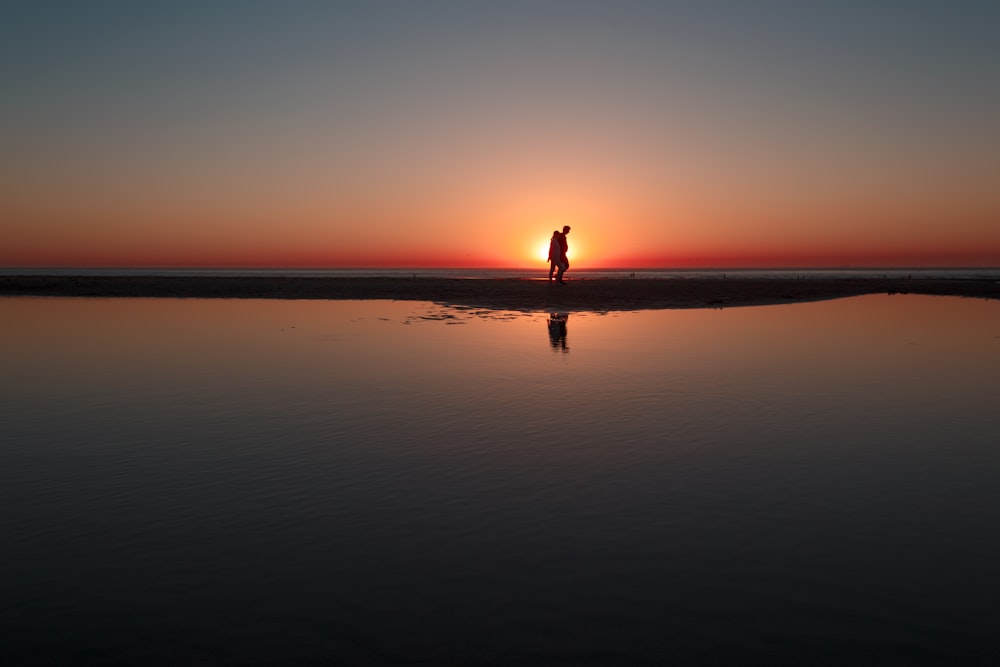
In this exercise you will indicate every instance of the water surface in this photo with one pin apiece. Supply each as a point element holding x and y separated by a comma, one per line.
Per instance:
<point>248,482</point>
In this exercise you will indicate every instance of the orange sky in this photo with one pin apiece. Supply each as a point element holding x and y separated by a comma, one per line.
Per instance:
<point>462,135</point>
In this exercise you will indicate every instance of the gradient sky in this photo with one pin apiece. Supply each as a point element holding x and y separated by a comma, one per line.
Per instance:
<point>461,133</point>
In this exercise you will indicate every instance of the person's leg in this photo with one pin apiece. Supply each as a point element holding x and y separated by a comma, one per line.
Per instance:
<point>552,268</point>
<point>562,270</point>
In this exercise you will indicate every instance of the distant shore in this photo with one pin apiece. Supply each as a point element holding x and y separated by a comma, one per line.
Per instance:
<point>581,294</point>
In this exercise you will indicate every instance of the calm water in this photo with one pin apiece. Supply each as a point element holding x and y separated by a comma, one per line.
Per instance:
<point>279,482</point>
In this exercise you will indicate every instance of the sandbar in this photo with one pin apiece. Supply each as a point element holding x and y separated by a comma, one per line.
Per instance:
<point>521,294</point>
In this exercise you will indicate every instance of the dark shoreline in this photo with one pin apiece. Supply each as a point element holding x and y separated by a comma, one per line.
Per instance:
<point>594,294</point>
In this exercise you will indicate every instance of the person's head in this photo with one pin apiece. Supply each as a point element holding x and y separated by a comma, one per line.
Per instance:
<point>555,233</point>
<point>566,229</point>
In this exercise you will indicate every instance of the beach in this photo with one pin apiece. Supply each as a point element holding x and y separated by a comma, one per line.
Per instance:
<point>596,294</point>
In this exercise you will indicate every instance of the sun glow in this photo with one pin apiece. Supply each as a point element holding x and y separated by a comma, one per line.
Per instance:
<point>543,250</point>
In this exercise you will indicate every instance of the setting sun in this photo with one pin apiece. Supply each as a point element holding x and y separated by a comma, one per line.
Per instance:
<point>543,250</point>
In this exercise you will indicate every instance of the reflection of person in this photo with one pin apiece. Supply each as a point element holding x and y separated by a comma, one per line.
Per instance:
<point>557,331</point>
<point>555,250</point>
<point>563,260</point>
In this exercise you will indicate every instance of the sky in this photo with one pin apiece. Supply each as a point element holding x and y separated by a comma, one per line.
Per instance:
<point>703,133</point>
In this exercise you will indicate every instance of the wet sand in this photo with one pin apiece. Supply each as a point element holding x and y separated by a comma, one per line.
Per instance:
<point>597,294</point>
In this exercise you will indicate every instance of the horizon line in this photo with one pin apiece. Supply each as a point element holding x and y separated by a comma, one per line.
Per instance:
<point>250,267</point>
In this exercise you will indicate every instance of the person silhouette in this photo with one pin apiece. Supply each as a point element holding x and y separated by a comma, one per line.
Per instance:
<point>563,260</point>
<point>555,251</point>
